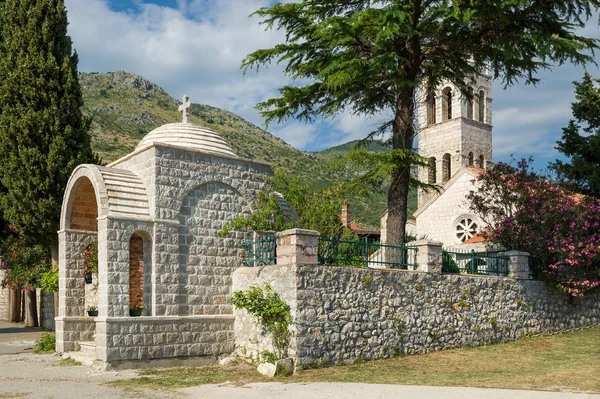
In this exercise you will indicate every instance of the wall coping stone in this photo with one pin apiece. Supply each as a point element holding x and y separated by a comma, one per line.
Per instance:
<point>424,242</point>
<point>142,319</point>
<point>293,232</point>
<point>515,252</point>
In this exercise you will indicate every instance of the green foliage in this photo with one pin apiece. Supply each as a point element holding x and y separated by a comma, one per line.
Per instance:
<point>317,209</point>
<point>581,140</point>
<point>43,135</point>
<point>24,261</point>
<point>368,58</point>
<point>268,357</point>
<point>270,311</point>
<point>49,280</point>
<point>46,343</point>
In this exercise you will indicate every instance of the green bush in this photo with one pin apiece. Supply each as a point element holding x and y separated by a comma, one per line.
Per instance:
<point>270,311</point>
<point>46,343</point>
<point>49,280</point>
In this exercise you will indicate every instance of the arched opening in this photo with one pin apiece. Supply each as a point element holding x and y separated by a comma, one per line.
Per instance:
<point>84,209</point>
<point>431,109</point>
<point>432,171</point>
<point>470,104</point>
<point>446,168</point>
<point>481,162</point>
<point>481,106</point>
<point>136,272</point>
<point>471,159</point>
<point>447,104</point>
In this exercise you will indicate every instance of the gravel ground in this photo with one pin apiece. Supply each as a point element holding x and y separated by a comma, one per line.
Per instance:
<point>24,374</point>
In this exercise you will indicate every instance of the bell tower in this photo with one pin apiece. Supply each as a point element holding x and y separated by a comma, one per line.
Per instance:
<point>454,131</point>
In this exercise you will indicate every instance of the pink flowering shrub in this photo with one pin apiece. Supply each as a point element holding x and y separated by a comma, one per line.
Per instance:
<point>24,262</point>
<point>530,212</point>
<point>90,259</point>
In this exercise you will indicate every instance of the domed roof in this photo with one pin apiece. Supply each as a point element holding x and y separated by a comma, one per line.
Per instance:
<point>188,136</point>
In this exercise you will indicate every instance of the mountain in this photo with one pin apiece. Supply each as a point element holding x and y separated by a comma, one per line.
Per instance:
<point>124,107</point>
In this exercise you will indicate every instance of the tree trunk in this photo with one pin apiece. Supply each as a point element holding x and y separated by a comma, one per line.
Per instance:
<point>402,139</point>
<point>54,250</point>
<point>31,316</point>
<point>14,305</point>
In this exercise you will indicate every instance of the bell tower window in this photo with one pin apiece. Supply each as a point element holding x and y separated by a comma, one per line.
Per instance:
<point>447,104</point>
<point>446,168</point>
<point>431,109</point>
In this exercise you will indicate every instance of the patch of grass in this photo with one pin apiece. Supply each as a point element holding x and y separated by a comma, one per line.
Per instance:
<point>568,362</point>
<point>68,362</point>
<point>45,344</point>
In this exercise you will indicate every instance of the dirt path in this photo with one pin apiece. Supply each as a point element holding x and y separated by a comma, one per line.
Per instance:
<point>24,374</point>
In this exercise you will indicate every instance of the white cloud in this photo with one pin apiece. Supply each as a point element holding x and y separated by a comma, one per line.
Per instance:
<point>197,49</point>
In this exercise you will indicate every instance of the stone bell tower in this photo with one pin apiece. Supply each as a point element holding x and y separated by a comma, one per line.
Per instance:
<point>454,131</point>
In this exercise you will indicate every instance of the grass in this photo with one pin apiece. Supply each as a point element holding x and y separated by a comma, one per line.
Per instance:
<point>565,362</point>
<point>45,344</point>
<point>68,362</point>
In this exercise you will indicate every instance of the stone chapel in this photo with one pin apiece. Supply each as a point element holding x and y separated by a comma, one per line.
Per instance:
<point>154,215</point>
<point>455,135</point>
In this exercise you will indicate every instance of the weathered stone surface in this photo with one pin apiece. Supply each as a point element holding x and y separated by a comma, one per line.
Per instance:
<point>227,361</point>
<point>267,369</point>
<point>343,313</point>
<point>284,367</point>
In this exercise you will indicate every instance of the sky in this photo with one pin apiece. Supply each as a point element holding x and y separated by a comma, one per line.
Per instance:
<point>195,47</point>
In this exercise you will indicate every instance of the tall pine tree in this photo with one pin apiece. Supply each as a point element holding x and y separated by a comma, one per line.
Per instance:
<point>368,57</point>
<point>581,139</point>
<point>43,134</point>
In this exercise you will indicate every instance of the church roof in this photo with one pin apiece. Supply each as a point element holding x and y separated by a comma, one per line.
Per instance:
<point>188,136</point>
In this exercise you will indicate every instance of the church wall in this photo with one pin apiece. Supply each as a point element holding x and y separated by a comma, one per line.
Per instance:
<point>437,222</point>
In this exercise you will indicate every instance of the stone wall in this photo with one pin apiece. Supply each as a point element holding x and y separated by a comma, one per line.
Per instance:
<point>343,313</point>
<point>46,309</point>
<point>3,297</point>
<point>140,339</point>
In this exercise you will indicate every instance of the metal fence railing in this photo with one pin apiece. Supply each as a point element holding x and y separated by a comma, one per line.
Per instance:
<point>365,253</point>
<point>261,250</point>
<point>471,262</point>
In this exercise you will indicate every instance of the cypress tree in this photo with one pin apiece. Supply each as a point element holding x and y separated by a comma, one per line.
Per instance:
<point>43,134</point>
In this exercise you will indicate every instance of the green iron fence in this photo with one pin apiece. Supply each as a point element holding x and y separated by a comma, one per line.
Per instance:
<point>260,250</point>
<point>365,253</point>
<point>471,262</point>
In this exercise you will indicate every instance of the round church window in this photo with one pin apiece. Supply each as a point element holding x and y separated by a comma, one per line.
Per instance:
<point>466,228</point>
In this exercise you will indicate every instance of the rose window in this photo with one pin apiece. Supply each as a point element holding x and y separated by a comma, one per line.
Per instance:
<point>466,228</point>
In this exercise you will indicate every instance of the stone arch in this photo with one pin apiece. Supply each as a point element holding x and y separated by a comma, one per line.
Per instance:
<point>481,106</point>
<point>471,159</point>
<point>446,168</point>
<point>447,97</point>
<point>432,171</point>
<point>206,260</point>
<point>481,162</point>
<point>431,109</point>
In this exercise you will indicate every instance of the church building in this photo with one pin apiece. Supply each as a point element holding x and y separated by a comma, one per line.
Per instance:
<point>455,135</point>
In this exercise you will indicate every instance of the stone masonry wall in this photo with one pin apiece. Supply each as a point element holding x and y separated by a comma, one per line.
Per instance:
<point>150,338</point>
<point>343,313</point>
<point>3,297</point>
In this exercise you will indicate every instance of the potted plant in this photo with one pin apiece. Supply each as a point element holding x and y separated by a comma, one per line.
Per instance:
<point>92,310</point>
<point>136,310</point>
<point>90,262</point>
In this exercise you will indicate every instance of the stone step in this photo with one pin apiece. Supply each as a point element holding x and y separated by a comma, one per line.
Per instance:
<point>85,358</point>
<point>87,347</point>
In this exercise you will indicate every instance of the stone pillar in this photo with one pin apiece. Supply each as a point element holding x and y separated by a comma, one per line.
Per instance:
<point>297,246</point>
<point>518,265</point>
<point>429,257</point>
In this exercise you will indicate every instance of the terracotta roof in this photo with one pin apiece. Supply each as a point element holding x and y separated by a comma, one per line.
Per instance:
<point>476,239</point>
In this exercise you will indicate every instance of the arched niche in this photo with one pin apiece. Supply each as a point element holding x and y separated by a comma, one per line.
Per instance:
<point>446,168</point>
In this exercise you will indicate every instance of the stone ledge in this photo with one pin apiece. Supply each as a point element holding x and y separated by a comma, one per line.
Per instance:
<point>142,319</point>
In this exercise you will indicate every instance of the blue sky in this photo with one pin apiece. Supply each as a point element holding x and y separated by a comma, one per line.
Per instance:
<point>195,47</point>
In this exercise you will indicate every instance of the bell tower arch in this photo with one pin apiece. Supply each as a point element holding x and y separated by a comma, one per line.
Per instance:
<point>455,130</point>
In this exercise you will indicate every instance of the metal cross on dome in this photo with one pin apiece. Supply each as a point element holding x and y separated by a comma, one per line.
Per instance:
<point>185,107</point>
